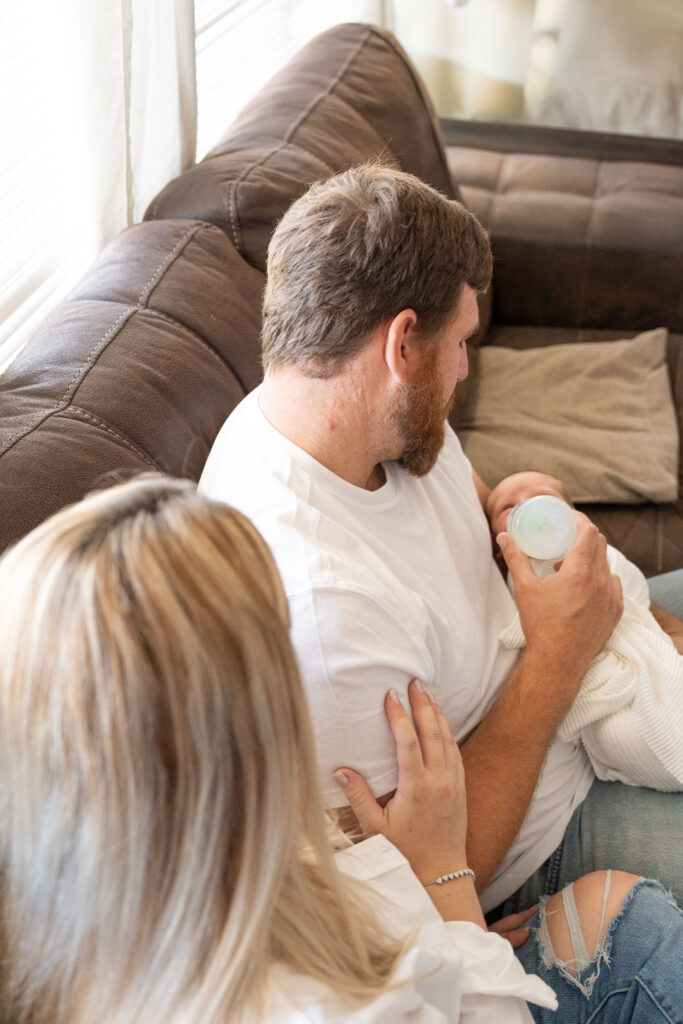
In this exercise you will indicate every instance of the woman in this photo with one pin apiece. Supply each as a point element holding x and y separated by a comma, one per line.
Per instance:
<point>164,850</point>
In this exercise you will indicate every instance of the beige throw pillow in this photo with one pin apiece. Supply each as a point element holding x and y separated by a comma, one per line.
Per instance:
<point>599,415</point>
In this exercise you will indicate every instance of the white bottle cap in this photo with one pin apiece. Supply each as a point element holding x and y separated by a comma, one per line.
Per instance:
<point>543,527</point>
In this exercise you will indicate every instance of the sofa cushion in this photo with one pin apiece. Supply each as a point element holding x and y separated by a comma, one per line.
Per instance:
<point>136,370</point>
<point>578,242</point>
<point>598,415</point>
<point>349,96</point>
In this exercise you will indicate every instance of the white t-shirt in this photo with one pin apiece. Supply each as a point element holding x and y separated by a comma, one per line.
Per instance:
<point>454,971</point>
<point>385,586</point>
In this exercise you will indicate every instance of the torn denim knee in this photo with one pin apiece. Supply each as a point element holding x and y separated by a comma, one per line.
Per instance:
<point>581,970</point>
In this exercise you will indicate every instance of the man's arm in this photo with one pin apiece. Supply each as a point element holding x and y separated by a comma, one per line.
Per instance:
<point>671,625</point>
<point>566,619</point>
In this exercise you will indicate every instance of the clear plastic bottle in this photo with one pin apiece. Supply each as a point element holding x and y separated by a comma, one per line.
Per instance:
<point>544,528</point>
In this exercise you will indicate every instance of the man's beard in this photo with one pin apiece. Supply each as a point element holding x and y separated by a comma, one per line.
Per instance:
<point>421,419</point>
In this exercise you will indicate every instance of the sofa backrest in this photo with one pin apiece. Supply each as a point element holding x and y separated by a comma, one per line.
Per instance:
<point>350,95</point>
<point>139,367</point>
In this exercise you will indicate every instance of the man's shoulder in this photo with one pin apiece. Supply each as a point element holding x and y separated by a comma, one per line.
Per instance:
<point>239,431</point>
<point>246,458</point>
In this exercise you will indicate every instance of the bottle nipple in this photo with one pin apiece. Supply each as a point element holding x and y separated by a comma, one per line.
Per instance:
<point>544,528</point>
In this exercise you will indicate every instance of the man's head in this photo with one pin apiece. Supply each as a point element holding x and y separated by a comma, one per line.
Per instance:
<point>356,250</point>
<point>518,487</point>
<point>421,406</point>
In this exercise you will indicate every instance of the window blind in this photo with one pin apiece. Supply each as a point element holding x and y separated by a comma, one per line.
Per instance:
<point>240,44</point>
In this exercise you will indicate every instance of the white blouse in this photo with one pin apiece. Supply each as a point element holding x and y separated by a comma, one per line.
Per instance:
<point>455,971</point>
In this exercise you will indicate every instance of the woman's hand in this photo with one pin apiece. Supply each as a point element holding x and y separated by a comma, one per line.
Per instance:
<point>426,818</point>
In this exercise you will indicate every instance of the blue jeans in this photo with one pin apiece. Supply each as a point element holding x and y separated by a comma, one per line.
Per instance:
<point>617,826</point>
<point>667,591</point>
<point>636,974</point>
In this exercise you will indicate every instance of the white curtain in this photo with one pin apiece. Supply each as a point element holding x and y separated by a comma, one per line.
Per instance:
<point>608,65</point>
<point>603,65</point>
<point>472,54</point>
<point>100,113</point>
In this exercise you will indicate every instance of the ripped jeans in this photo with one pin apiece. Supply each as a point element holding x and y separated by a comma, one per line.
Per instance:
<point>636,973</point>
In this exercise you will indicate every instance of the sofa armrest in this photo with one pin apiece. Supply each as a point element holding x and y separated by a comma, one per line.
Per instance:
<point>592,240</point>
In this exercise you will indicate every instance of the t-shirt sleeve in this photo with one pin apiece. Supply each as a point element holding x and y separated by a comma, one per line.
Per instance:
<point>351,650</point>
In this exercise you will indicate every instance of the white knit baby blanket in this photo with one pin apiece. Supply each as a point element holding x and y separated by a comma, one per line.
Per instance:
<point>628,712</point>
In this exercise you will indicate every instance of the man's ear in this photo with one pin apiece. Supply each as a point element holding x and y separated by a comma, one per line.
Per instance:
<point>402,350</point>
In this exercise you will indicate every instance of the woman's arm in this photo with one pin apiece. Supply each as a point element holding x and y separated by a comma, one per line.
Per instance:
<point>426,818</point>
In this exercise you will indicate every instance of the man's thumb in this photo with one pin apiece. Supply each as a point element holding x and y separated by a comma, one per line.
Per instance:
<point>515,559</point>
<point>361,800</point>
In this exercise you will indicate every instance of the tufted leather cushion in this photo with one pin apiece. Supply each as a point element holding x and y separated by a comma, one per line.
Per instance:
<point>350,95</point>
<point>136,370</point>
<point>579,242</point>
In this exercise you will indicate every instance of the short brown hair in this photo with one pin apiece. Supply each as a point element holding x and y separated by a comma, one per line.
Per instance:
<point>354,251</point>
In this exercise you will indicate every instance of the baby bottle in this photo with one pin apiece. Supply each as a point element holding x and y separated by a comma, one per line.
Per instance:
<point>544,528</point>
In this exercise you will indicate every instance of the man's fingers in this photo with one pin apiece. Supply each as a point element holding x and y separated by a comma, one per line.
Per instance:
<point>361,800</point>
<point>516,938</point>
<point>588,545</point>
<point>515,559</point>
<point>513,921</point>
<point>512,927</point>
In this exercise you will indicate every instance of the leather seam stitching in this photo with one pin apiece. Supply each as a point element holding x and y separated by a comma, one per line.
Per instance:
<point>63,401</point>
<point>328,168</point>
<point>197,337</point>
<point>107,337</point>
<point>165,263</point>
<point>495,192</point>
<point>232,202</point>
<point>588,246</point>
<point>80,412</point>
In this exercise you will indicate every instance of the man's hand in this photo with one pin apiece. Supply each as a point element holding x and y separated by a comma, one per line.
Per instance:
<point>567,618</point>
<point>513,927</point>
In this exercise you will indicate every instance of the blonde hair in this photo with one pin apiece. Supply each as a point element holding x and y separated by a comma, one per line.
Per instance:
<point>354,251</point>
<point>163,840</point>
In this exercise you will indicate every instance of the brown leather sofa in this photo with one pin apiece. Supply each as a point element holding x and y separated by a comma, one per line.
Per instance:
<point>139,367</point>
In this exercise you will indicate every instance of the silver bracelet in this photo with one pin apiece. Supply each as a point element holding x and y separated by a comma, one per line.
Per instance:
<point>449,877</point>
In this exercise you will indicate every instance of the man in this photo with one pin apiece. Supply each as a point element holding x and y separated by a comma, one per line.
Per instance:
<point>343,460</point>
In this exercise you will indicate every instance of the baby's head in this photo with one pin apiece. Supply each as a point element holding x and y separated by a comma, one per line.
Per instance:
<point>514,489</point>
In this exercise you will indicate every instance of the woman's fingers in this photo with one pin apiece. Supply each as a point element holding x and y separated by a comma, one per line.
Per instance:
<point>408,748</point>
<point>427,725</point>
<point>361,800</point>
<point>451,749</point>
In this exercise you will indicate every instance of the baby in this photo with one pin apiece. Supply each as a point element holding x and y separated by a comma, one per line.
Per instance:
<point>628,712</point>
<point>513,490</point>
